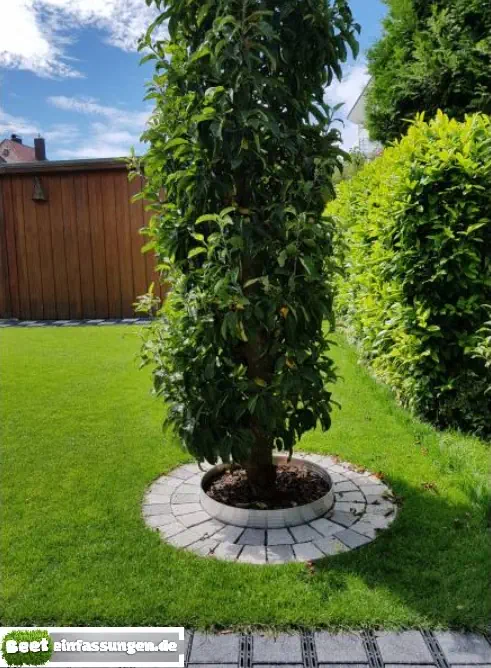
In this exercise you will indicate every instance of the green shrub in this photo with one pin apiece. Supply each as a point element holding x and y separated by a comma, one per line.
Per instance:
<point>416,231</point>
<point>240,142</point>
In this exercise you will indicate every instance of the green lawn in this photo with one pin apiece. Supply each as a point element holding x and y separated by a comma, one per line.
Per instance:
<point>82,439</point>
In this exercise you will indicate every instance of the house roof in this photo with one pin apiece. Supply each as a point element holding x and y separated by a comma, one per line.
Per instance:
<point>13,151</point>
<point>357,112</point>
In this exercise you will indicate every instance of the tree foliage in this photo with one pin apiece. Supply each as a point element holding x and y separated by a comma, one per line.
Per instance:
<point>433,55</point>
<point>417,293</point>
<point>241,144</point>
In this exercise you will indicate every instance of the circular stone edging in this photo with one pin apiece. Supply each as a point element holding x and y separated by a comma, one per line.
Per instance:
<point>269,519</point>
<point>363,506</point>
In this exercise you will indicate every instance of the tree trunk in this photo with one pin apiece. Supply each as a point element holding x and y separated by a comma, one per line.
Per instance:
<point>261,472</point>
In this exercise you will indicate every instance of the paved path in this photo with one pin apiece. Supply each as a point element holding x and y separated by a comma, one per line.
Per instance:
<point>328,650</point>
<point>363,506</point>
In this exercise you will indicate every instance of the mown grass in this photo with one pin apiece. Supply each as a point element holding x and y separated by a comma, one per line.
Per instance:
<point>81,440</point>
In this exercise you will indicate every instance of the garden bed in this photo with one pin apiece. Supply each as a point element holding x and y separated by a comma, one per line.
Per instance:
<point>295,486</point>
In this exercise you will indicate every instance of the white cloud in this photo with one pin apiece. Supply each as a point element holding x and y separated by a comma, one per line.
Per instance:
<point>37,33</point>
<point>90,106</point>
<point>16,124</point>
<point>346,92</point>
<point>112,137</point>
<point>104,132</point>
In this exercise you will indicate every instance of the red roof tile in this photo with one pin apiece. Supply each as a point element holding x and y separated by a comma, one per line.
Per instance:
<point>12,151</point>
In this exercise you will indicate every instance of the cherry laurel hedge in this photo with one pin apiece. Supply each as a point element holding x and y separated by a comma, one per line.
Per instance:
<point>415,231</point>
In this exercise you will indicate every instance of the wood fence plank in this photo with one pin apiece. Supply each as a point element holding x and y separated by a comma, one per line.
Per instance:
<point>71,245</point>
<point>96,219</point>
<point>77,254</point>
<point>59,248</point>
<point>6,310</point>
<point>20,236</point>
<point>43,220</point>
<point>112,243</point>
<point>124,243</point>
<point>32,250</point>
<point>86,263</point>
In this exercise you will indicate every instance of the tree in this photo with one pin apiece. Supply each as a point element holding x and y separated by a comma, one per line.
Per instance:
<point>432,55</point>
<point>241,145</point>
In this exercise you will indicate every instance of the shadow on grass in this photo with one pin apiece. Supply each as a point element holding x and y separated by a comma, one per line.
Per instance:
<point>435,558</point>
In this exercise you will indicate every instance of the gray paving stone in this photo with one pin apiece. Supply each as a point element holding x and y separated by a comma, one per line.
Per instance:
<point>166,481</point>
<point>211,665</point>
<point>195,480</point>
<point>347,486</point>
<point>331,546</point>
<point>192,467</point>
<point>204,546</point>
<point>340,648</point>
<point>284,647</point>
<point>382,508</point>
<point>193,519</point>
<point>350,497</point>
<point>178,498</point>
<point>327,462</point>
<point>186,508</point>
<point>161,520</point>
<point>181,473</point>
<point>252,537</point>
<point>157,509</point>
<point>410,665</point>
<point>352,539</point>
<point>253,554</point>
<point>373,490</point>
<point>155,498</point>
<point>189,488</point>
<point>317,459</point>
<point>280,554</point>
<point>337,477</point>
<point>207,529</point>
<point>170,530</point>
<point>354,508</point>
<point>403,647</point>
<point>304,533</point>
<point>276,665</point>
<point>343,519</point>
<point>378,499</point>
<point>185,538</point>
<point>464,648</point>
<point>215,648</point>
<point>307,552</point>
<point>337,468</point>
<point>279,537</point>
<point>376,521</point>
<point>325,527</point>
<point>229,533</point>
<point>344,665</point>
<point>366,529</point>
<point>227,551</point>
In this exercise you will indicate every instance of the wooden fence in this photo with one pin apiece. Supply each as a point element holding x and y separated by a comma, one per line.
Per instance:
<point>70,246</point>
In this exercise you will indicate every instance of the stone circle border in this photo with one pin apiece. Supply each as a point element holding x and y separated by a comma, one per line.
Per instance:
<point>363,507</point>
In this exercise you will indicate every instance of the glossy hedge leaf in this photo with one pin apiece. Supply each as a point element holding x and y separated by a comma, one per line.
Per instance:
<point>417,256</point>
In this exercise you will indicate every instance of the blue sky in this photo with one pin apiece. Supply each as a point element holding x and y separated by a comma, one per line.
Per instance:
<point>69,70</point>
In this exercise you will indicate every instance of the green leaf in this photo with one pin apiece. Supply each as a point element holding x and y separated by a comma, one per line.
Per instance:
<point>196,251</point>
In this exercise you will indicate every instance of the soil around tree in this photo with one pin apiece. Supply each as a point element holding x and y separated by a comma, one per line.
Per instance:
<point>295,486</point>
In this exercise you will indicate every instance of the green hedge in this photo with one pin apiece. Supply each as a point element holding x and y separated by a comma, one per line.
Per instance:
<point>415,226</point>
